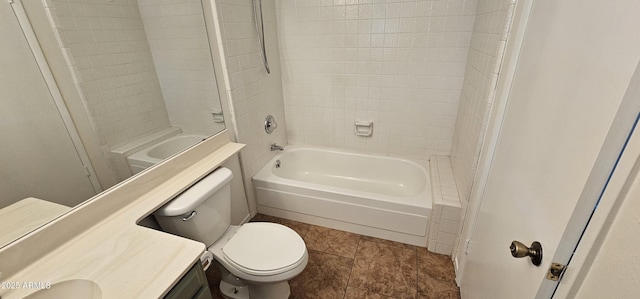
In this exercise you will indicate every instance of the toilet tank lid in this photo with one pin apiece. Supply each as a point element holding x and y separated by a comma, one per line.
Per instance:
<point>195,195</point>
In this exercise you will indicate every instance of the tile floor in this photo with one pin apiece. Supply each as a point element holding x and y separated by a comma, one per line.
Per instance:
<point>345,265</point>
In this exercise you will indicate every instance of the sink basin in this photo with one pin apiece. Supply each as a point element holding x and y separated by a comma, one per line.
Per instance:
<point>75,288</point>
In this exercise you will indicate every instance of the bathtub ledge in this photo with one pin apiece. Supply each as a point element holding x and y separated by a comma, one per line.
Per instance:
<point>444,224</point>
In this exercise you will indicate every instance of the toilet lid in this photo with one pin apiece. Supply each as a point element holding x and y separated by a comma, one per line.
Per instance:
<point>262,248</point>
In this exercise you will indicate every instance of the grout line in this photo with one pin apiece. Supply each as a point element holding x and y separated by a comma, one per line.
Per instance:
<point>352,266</point>
<point>417,274</point>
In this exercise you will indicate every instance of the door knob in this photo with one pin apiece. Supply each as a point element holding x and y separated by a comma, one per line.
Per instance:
<point>519,250</point>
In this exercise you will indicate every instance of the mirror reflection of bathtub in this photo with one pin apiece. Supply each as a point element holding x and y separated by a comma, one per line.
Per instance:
<point>156,153</point>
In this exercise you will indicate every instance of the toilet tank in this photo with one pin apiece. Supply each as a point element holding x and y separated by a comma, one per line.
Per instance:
<point>202,212</point>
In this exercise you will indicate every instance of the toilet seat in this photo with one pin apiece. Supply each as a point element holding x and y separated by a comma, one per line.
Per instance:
<point>262,248</point>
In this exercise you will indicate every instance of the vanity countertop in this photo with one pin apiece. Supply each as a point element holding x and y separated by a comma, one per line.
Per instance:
<point>124,259</point>
<point>31,212</point>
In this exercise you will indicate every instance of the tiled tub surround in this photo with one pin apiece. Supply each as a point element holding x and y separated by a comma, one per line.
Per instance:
<point>397,63</point>
<point>107,50</point>
<point>375,195</point>
<point>351,266</point>
<point>253,94</point>
<point>488,42</point>
<point>179,44</point>
<point>444,225</point>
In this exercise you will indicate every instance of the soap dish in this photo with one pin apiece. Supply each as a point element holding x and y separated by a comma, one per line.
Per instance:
<point>364,128</point>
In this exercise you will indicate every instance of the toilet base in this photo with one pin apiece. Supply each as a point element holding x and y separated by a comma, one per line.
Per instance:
<point>231,287</point>
<point>230,291</point>
<point>280,290</point>
<point>271,291</point>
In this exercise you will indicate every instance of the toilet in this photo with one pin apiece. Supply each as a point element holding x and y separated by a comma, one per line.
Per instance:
<point>256,259</point>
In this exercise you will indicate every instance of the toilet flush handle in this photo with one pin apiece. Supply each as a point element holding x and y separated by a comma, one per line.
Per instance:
<point>186,217</point>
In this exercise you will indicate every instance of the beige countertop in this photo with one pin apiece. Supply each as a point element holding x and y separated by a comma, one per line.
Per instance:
<point>29,213</point>
<point>101,242</point>
<point>126,261</point>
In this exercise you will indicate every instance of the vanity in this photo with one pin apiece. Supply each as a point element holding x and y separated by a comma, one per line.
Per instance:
<point>99,247</point>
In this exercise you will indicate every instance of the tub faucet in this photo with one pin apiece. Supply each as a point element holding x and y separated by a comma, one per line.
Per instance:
<point>275,147</point>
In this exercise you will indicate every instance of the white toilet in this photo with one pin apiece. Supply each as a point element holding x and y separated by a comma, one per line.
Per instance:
<point>256,259</point>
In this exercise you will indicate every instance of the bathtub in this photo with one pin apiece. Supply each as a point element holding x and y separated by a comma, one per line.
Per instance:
<point>157,152</point>
<point>379,196</point>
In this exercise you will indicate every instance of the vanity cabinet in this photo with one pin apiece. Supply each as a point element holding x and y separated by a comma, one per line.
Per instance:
<point>192,285</point>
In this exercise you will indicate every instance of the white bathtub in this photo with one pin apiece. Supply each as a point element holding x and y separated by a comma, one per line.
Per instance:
<point>379,196</point>
<point>156,153</point>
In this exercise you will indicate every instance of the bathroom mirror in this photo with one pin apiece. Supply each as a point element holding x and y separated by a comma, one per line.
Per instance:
<point>91,84</point>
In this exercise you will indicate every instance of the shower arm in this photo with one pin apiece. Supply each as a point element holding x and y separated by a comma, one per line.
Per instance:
<point>259,21</point>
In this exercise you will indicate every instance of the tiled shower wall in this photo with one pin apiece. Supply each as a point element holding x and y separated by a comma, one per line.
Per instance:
<point>107,48</point>
<point>397,63</point>
<point>485,57</point>
<point>253,93</point>
<point>180,47</point>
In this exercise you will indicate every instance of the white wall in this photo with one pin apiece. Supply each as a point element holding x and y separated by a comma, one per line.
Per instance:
<point>37,156</point>
<point>610,73</point>
<point>178,40</point>
<point>615,272</point>
<point>108,52</point>
<point>397,63</point>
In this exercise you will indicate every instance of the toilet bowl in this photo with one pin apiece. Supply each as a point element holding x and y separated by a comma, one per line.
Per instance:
<point>256,259</point>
